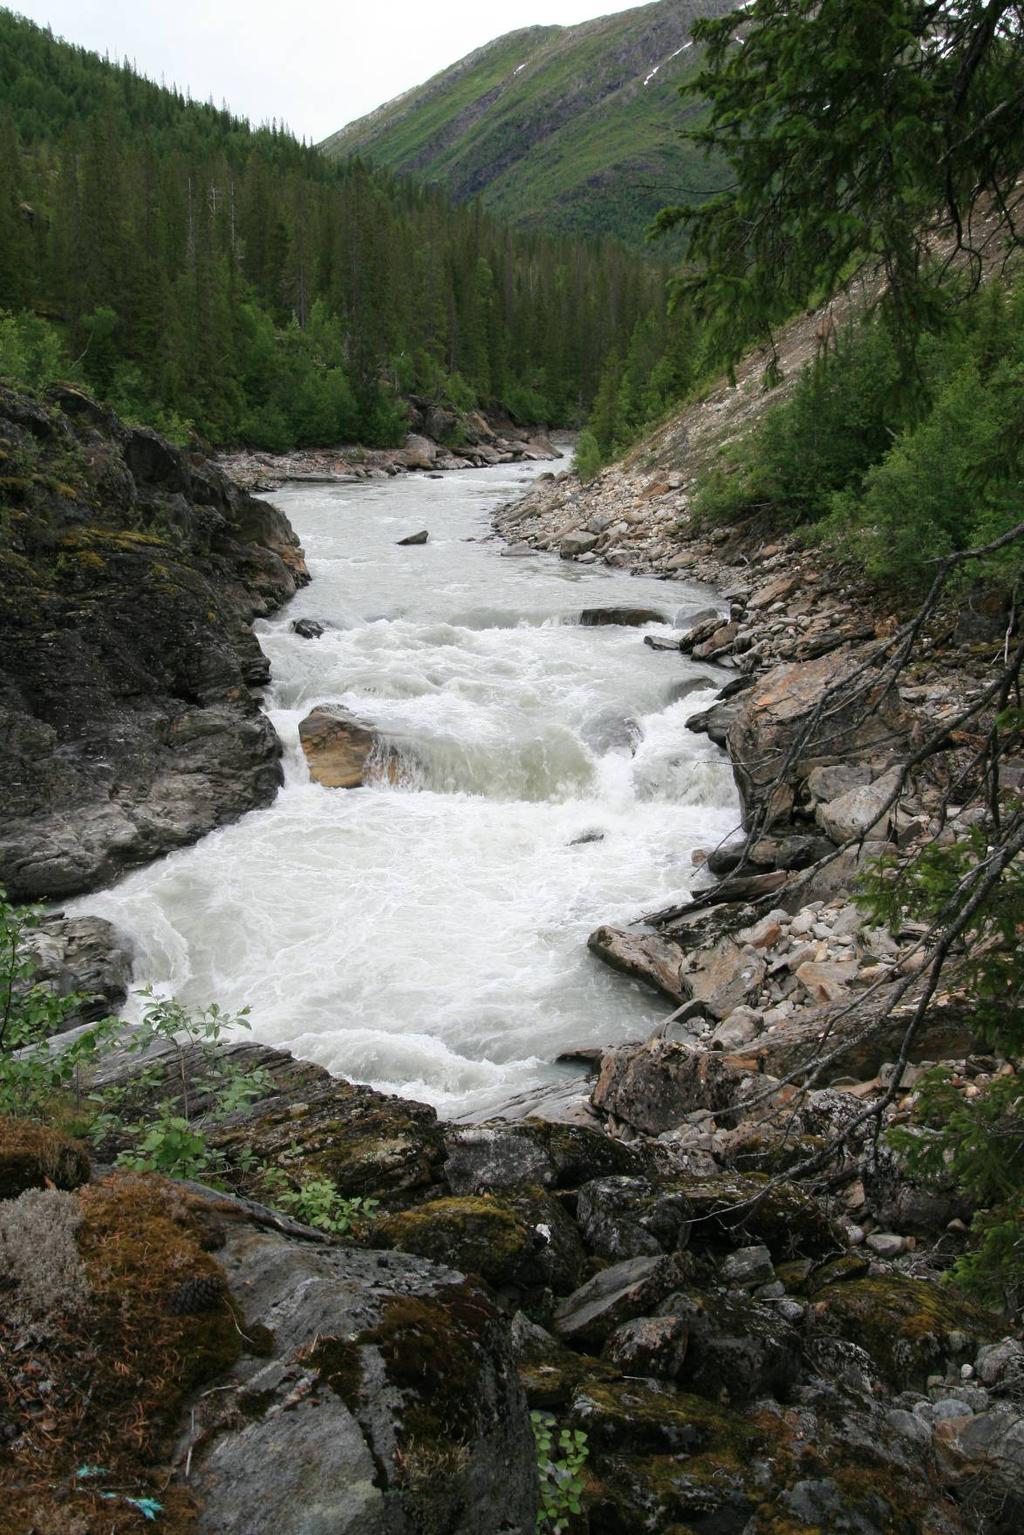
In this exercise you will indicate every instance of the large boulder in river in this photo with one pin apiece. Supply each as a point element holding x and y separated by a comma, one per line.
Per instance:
<point>338,748</point>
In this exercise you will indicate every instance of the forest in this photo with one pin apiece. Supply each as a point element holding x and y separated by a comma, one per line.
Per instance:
<point>203,275</point>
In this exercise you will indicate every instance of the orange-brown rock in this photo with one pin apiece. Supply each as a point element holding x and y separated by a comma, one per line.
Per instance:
<point>339,748</point>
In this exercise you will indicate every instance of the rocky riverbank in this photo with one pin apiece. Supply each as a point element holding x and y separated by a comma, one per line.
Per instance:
<point>438,440</point>
<point>131,573</point>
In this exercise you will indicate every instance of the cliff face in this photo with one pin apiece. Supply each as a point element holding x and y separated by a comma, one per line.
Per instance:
<point>573,128</point>
<point>130,573</point>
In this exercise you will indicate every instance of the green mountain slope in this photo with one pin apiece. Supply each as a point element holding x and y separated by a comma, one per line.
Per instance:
<point>572,128</point>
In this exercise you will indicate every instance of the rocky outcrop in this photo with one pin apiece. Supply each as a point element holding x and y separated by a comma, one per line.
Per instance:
<point>131,572</point>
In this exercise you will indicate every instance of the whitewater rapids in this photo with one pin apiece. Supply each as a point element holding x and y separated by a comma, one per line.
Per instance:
<point>428,936</point>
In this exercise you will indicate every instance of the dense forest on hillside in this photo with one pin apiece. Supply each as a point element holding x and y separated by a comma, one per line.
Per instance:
<point>197,272</point>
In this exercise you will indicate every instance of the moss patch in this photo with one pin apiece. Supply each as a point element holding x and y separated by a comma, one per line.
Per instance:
<point>157,1325</point>
<point>909,1327</point>
<point>33,1156</point>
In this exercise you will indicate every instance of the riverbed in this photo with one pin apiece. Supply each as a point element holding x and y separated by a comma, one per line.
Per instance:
<point>428,935</point>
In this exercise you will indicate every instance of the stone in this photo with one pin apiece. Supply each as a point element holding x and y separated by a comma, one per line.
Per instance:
<point>415,538</point>
<point>886,1244</point>
<point>741,1026</point>
<point>385,1399</point>
<point>653,1087</point>
<point>828,783</point>
<point>826,981</point>
<point>650,1345</point>
<point>508,1156</point>
<point>86,957</point>
<point>419,452</point>
<point>592,618</point>
<point>618,1294</point>
<point>748,1266</point>
<point>777,713</point>
<point>576,543</point>
<point>726,978</point>
<point>308,628</point>
<point>1001,1364</point>
<point>338,748</point>
<point>645,957</point>
<point>737,1348</point>
<point>860,812</point>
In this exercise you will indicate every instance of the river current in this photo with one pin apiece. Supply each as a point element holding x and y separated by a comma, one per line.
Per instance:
<point>428,936</point>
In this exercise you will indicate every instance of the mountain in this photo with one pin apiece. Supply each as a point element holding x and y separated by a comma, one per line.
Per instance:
<point>568,128</point>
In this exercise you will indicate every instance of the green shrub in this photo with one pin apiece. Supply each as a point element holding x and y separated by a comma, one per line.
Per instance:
<point>588,457</point>
<point>32,352</point>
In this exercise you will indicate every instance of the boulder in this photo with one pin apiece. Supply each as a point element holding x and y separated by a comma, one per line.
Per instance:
<point>860,812</point>
<point>418,452</point>
<point>617,1294</point>
<point>727,976</point>
<point>414,538</point>
<point>308,628</point>
<point>338,748</point>
<point>736,1346</point>
<point>783,707</point>
<point>508,1156</point>
<point>518,1243</point>
<point>576,543</point>
<point>645,957</point>
<point>653,1087</point>
<point>84,956</point>
<point>593,618</point>
<point>383,1398</point>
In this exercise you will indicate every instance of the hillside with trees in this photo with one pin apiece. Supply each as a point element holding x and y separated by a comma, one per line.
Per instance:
<point>199,273</point>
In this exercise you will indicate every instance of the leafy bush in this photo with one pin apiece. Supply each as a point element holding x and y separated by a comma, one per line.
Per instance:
<point>317,1203</point>
<point>588,457</point>
<point>32,352</point>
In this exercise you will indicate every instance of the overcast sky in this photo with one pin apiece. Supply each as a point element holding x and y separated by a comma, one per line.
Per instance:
<point>316,64</point>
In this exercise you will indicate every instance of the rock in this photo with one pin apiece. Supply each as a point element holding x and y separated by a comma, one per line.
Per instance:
<point>827,981</point>
<point>385,1400</point>
<point>748,1266</point>
<point>519,1243</point>
<point>828,783</point>
<point>419,452</point>
<point>617,1294</point>
<point>860,812</point>
<point>643,956</point>
<point>84,956</point>
<point>653,1087</point>
<point>518,552</point>
<point>308,628</point>
<point>627,1217</point>
<point>626,617</point>
<point>576,543</point>
<point>726,978</point>
<point>338,748</point>
<point>649,1345</point>
<point>739,1348</point>
<point>127,656</point>
<point>1000,1366</point>
<point>886,1244</point>
<point>741,1026</point>
<point>483,1158</point>
<point>414,538</point>
<point>778,711</point>
<point>907,1326</point>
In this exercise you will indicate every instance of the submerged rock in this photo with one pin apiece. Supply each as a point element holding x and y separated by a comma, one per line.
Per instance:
<point>415,538</point>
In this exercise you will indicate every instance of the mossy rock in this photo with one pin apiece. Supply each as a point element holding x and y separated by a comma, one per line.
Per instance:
<point>365,1143</point>
<point>33,1156</point>
<point>743,1208</point>
<point>519,1242</point>
<point>910,1328</point>
<point>503,1155</point>
<point>649,1417</point>
<point>736,1348</point>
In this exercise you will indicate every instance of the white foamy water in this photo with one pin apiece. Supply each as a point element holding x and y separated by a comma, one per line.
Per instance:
<point>428,936</point>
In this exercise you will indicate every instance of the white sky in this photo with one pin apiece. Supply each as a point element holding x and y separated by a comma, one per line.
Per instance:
<point>316,64</point>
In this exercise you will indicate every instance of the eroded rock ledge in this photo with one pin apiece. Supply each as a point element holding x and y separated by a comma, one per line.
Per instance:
<point>131,572</point>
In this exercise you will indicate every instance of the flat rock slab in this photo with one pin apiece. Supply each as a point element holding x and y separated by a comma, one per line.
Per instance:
<point>618,1294</point>
<point>644,956</point>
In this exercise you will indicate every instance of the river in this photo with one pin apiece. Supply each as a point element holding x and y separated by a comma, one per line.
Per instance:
<point>428,936</point>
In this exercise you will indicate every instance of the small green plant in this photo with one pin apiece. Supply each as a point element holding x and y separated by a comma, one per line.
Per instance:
<point>208,1086</point>
<point>316,1202</point>
<point>588,457</point>
<point>561,1456</point>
